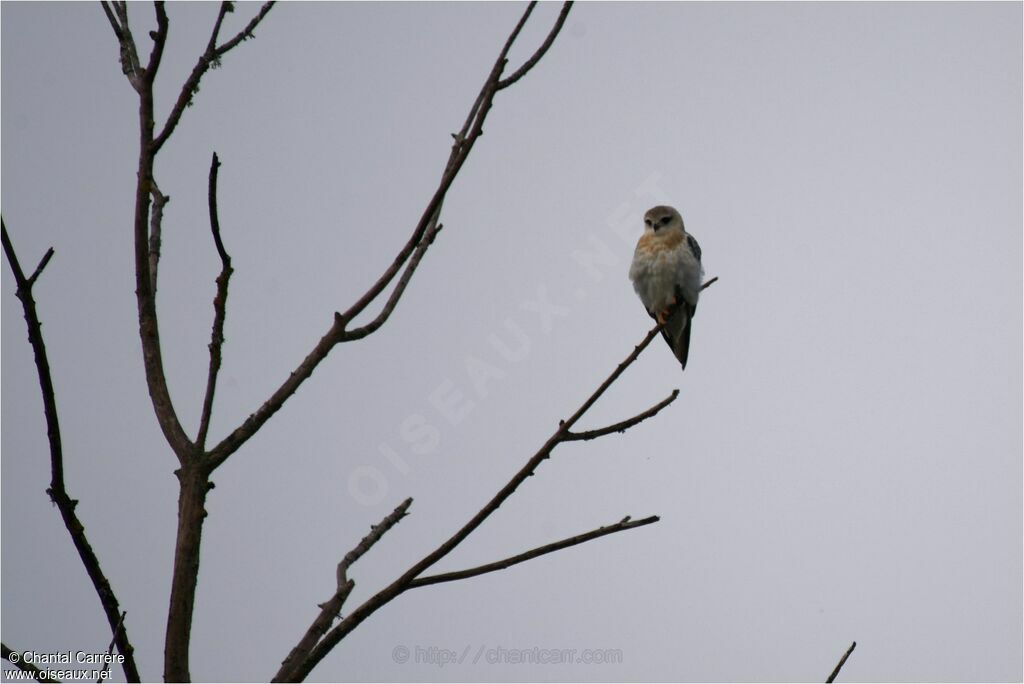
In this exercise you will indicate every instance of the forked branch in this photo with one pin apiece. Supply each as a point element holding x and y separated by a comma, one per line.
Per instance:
<point>405,262</point>
<point>331,608</point>
<point>300,670</point>
<point>57,491</point>
<point>536,56</point>
<point>624,425</point>
<point>399,290</point>
<point>128,54</point>
<point>210,57</point>
<point>149,202</point>
<point>621,526</point>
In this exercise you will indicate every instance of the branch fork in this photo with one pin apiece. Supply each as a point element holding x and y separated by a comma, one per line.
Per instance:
<point>57,490</point>
<point>302,660</point>
<point>197,462</point>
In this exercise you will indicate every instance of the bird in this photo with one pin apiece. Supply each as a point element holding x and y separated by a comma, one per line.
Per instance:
<point>666,274</point>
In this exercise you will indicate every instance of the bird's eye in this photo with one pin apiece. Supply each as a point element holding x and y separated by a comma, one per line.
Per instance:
<point>665,220</point>
<point>647,222</point>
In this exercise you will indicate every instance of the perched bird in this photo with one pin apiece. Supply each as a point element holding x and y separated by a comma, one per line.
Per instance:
<point>666,271</point>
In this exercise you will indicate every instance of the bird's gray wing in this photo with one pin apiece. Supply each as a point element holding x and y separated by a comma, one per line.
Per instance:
<point>694,247</point>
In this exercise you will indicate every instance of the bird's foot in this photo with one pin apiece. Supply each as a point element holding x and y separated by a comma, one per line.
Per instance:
<point>664,313</point>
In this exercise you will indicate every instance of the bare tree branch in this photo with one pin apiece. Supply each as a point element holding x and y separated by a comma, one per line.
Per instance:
<point>301,670</point>
<point>218,242</point>
<point>839,665</point>
<point>193,474</point>
<point>420,240</point>
<point>219,307</point>
<point>471,130</point>
<point>376,532</point>
<point>510,41</point>
<point>39,268</point>
<point>159,41</point>
<point>121,7</point>
<point>112,19</point>
<point>624,524</point>
<point>155,228</point>
<point>149,331</point>
<point>536,57</point>
<point>490,83</point>
<point>126,44</point>
<point>115,25</point>
<point>230,444</point>
<point>210,57</point>
<point>110,650</point>
<point>247,32</point>
<point>330,609</point>
<point>624,425</point>
<point>196,466</point>
<point>396,294</point>
<point>193,477</point>
<point>23,666</point>
<point>226,6</point>
<point>57,490</point>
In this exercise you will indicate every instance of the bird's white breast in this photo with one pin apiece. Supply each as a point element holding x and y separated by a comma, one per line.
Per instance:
<point>660,264</point>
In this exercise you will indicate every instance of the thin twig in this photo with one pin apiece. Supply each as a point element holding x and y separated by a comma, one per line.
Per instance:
<point>112,19</point>
<point>472,129</point>
<point>20,663</point>
<point>57,491</point>
<point>624,425</point>
<point>424,232</point>
<point>460,151</point>
<point>214,217</point>
<point>376,532</point>
<point>121,7</point>
<point>247,32</point>
<point>396,294</point>
<point>226,6</point>
<point>210,57</point>
<point>110,650</point>
<point>491,84</point>
<point>625,524</point>
<point>536,57</point>
<point>839,665</point>
<point>126,44</point>
<point>159,42</point>
<point>39,268</point>
<point>220,301</point>
<point>330,609</point>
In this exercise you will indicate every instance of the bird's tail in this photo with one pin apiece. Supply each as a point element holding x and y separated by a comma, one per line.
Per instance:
<point>676,332</point>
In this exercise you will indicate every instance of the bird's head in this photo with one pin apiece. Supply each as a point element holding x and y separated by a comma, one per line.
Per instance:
<point>662,219</point>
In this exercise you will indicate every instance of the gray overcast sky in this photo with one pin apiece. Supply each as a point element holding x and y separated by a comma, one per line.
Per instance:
<point>844,460</point>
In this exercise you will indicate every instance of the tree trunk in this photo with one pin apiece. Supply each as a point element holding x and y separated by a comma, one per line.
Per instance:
<point>195,483</point>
